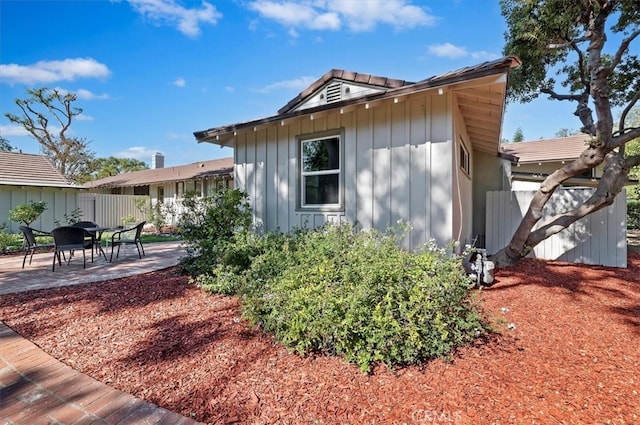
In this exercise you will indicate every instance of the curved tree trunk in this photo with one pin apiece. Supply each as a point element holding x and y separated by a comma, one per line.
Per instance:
<point>525,238</point>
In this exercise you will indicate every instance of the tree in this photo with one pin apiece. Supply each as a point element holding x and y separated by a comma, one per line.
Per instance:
<point>565,132</point>
<point>567,38</point>
<point>112,166</point>
<point>47,114</point>
<point>518,136</point>
<point>5,145</point>
<point>27,213</point>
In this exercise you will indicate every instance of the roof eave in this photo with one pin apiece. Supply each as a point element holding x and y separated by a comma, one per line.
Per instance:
<point>224,135</point>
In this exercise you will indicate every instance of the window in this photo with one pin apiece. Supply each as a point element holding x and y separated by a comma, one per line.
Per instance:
<point>160,194</point>
<point>320,182</point>
<point>464,159</point>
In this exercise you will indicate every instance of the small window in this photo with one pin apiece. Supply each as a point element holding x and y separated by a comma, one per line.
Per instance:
<point>160,195</point>
<point>464,159</point>
<point>320,182</point>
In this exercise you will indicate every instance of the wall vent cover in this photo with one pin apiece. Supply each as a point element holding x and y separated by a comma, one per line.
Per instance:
<point>334,92</point>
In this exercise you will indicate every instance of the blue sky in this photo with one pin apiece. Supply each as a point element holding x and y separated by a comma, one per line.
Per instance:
<point>148,73</point>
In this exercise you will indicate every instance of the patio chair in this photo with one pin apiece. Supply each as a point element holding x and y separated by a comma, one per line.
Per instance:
<point>117,239</point>
<point>95,236</point>
<point>69,238</point>
<point>30,242</point>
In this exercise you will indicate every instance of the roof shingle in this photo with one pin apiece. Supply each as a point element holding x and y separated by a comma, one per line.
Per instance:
<point>547,150</point>
<point>24,169</point>
<point>197,170</point>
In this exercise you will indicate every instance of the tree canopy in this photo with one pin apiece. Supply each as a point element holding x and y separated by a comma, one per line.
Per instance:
<point>5,145</point>
<point>112,166</point>
<point>47,114</point>
<point>577,51</point>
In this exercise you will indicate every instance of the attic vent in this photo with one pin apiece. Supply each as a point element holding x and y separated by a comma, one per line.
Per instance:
<point>334,92</point>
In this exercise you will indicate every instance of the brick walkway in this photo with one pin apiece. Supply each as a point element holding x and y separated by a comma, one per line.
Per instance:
<point>35,388</point>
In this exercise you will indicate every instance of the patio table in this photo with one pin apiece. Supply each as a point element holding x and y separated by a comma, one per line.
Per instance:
<point>96,236</point>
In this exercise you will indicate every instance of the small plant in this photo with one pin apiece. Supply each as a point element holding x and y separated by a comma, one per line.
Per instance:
<point>208,226</point>
<point>28,213</point>
<point>129,220</point>
<point>70,218</point>
<point>633,214</point>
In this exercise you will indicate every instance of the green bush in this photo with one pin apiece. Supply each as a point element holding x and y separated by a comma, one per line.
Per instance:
<point>208,226</point>
<point>27,213</point>
<point>359,295</point>
<point>633,214</point>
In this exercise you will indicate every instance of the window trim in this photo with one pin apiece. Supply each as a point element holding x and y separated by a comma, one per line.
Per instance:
<point>464,158</point>
<point>300,205</point>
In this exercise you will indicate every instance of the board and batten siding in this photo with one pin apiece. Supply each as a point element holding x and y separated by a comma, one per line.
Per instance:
<point>599,238</point>
<point>59,202</point>
<point>395,163</point>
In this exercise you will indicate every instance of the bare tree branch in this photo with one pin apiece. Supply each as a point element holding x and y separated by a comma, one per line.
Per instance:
<point>624,45</point>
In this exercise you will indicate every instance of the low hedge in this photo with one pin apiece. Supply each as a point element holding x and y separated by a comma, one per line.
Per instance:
<point>355,294</point>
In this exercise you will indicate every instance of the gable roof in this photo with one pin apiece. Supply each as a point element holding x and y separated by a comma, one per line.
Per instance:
<point>481,109</point>
<point>347,76</point>
<point>24,169</point>
<point>546,150</point>
<point>197,170</point>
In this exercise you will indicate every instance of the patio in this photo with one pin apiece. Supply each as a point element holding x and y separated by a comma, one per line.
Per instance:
<point>38,275</point>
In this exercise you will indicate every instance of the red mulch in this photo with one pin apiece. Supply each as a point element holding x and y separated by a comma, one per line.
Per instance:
<point>573,356</point>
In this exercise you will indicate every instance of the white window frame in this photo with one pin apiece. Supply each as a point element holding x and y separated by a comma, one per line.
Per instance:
<point>338,206</point>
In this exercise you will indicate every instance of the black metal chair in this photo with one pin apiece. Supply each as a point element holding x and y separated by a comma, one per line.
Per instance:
<point>69,238</point>
<point>95,236</point>
<point>30,242</point>
<point>117,239</point>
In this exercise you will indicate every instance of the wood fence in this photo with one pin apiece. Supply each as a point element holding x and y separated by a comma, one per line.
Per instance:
<point>113,210</point>
<point>599,238</point>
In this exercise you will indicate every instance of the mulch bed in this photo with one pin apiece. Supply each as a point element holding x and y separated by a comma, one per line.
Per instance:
<point>566,350</point>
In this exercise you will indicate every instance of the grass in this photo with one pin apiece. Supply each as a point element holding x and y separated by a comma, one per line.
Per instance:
<point>14,241</point>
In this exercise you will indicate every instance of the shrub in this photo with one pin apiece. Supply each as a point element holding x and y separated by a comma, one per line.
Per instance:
<point>633,214</point>
<point>208,226</point>
<point>27,213</point>
<point>359,295</point>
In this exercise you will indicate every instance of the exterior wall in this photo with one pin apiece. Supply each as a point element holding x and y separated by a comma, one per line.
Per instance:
<point>462,194</point>
<point>488,175</point>
<point>396,165</point>
<point>59,202</point>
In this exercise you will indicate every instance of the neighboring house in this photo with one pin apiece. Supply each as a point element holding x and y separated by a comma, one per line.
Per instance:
<point>531,162</point>
<point>372,150</point>
<point>168,185</point>
<point>27,177</point>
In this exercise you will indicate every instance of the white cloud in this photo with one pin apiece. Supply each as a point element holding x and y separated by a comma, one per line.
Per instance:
<point>45,72</point>
<point>83,117</point>
<point>177,136</point>
<point>87,95</point>
<point>358,16</point>
<point>447,50</point>
<point>168,12</point>
<point>299,84</point>
<point>451,51</point>
<point>180,82</point>
<point>136,152</point>
<point>13,130</point>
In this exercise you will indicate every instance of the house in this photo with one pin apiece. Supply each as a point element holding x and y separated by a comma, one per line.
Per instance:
<point>529,163</point>
<point>372,150</point>
<point>167,185</point>
<point>27,177</point>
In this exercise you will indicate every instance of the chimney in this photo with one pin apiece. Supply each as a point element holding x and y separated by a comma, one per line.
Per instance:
<point>157,160</point>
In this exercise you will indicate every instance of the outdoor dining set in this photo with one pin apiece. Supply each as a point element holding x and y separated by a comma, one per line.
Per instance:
<point>81,236</point>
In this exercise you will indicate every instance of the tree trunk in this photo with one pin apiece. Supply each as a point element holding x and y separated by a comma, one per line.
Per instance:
<point>610,185</point>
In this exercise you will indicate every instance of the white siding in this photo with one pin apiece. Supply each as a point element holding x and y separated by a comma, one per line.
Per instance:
<point>599,238</point>
<point>396,165</point>
<point>59,202</point>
